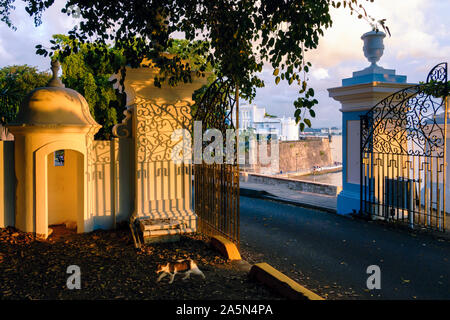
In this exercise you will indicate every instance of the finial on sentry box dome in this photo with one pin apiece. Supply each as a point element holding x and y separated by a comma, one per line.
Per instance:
<point>55,81</point>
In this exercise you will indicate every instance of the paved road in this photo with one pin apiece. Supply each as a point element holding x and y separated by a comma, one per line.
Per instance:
<point>329,254</point>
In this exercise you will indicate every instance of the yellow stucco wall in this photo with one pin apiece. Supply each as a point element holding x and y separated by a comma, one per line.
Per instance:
<point>98,184</point>
<point>124,179</point>
<point>102,184</point>
<point>65,188</point>
<point>31,165</point>
<point>7,183</point>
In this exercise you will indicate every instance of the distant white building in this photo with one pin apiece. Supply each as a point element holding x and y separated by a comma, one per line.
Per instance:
<point>254,117</point>
<point>335,131</point>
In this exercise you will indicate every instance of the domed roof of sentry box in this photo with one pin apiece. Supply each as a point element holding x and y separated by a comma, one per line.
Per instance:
<point>54,105</point>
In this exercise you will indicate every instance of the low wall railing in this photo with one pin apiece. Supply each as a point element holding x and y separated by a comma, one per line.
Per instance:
<point>298,185</point>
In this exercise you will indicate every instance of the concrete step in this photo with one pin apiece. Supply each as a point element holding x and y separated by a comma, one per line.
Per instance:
<point>173,213</point>
<point>165,229</point>
<point>166,232</point>
<point>158,224</point>
<point>162,239</point>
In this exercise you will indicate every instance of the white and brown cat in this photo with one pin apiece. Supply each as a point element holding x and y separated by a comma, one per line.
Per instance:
<point>187,266</point>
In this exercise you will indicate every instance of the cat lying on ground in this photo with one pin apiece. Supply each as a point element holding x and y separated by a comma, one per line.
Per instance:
<point>187,266</point>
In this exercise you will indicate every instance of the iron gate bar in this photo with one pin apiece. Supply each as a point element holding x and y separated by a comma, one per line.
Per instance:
<point>217,185</point>
<point>403,150</point>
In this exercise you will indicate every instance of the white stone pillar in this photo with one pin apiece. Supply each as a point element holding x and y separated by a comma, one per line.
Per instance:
<point>357,96</point>
<point>163,188</point>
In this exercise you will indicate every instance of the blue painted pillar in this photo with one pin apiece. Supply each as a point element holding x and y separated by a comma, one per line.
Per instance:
<point>358,95</point>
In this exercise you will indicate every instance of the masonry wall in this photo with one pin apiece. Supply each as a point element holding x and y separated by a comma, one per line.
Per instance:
<point>300,155</point>
<point>110,180</point>
<point>65,188</point>
<point>304,154</point>
<point>124,177</point>
<point>336,149</point>
<point>7,184</point>
<point>101,184</point>
<point>297,185</point>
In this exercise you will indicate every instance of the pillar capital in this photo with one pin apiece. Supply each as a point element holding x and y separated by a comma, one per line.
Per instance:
<point>363,96</point>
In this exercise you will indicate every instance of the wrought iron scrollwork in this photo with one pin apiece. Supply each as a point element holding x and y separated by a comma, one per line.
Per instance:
<point>438,73</point>
<point>155,124</point>
<point>215,109</point>
<point>217,185</point>
<point>403,155</point>
<point>408,121</point>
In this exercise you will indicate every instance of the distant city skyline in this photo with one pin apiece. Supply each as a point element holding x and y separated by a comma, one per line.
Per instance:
<point>420,39</point>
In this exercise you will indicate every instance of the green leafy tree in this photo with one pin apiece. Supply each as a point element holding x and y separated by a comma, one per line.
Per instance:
<point>88,67</point>
<point>87,71</point>
<point>241,36</point>
<point>193,52</point>
<point>15,83</point>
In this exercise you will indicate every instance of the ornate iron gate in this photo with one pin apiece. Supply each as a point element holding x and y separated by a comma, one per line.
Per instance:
<point>403,155</point>
<point>216,185</point>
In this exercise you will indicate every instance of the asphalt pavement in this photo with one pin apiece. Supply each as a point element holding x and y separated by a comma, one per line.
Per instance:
<point>330,254</point>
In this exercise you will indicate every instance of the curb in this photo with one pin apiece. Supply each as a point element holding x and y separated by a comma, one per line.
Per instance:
<point>261,194</point>
<point>226,247</point>
<point>264,273</point>
<point>300,204</point>
<point>279,282</point>
<point>253,193</point>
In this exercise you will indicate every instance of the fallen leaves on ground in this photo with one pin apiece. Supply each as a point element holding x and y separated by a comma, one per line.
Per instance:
<point>111,268</point>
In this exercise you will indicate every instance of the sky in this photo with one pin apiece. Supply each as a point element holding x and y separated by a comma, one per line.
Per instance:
<point>420,39</point>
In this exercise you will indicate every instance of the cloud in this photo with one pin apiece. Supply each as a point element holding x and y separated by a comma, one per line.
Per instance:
<point>420,39</point>
<point>18,47</point>
<point>320,74</point>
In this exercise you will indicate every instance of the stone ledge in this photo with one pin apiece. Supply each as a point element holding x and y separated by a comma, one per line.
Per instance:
<point>226,247</point>
<point>277,281</point>
<point>293,184</point>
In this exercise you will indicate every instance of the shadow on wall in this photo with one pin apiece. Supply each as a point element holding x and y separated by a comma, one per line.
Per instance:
<point>7,184</point>
<point>111,183</point>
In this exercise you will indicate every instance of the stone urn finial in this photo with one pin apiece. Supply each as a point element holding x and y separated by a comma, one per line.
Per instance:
<point>55,81</point>
<point>373,45</point>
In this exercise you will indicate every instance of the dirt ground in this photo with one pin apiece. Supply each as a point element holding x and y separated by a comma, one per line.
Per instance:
<point>111,268</point>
